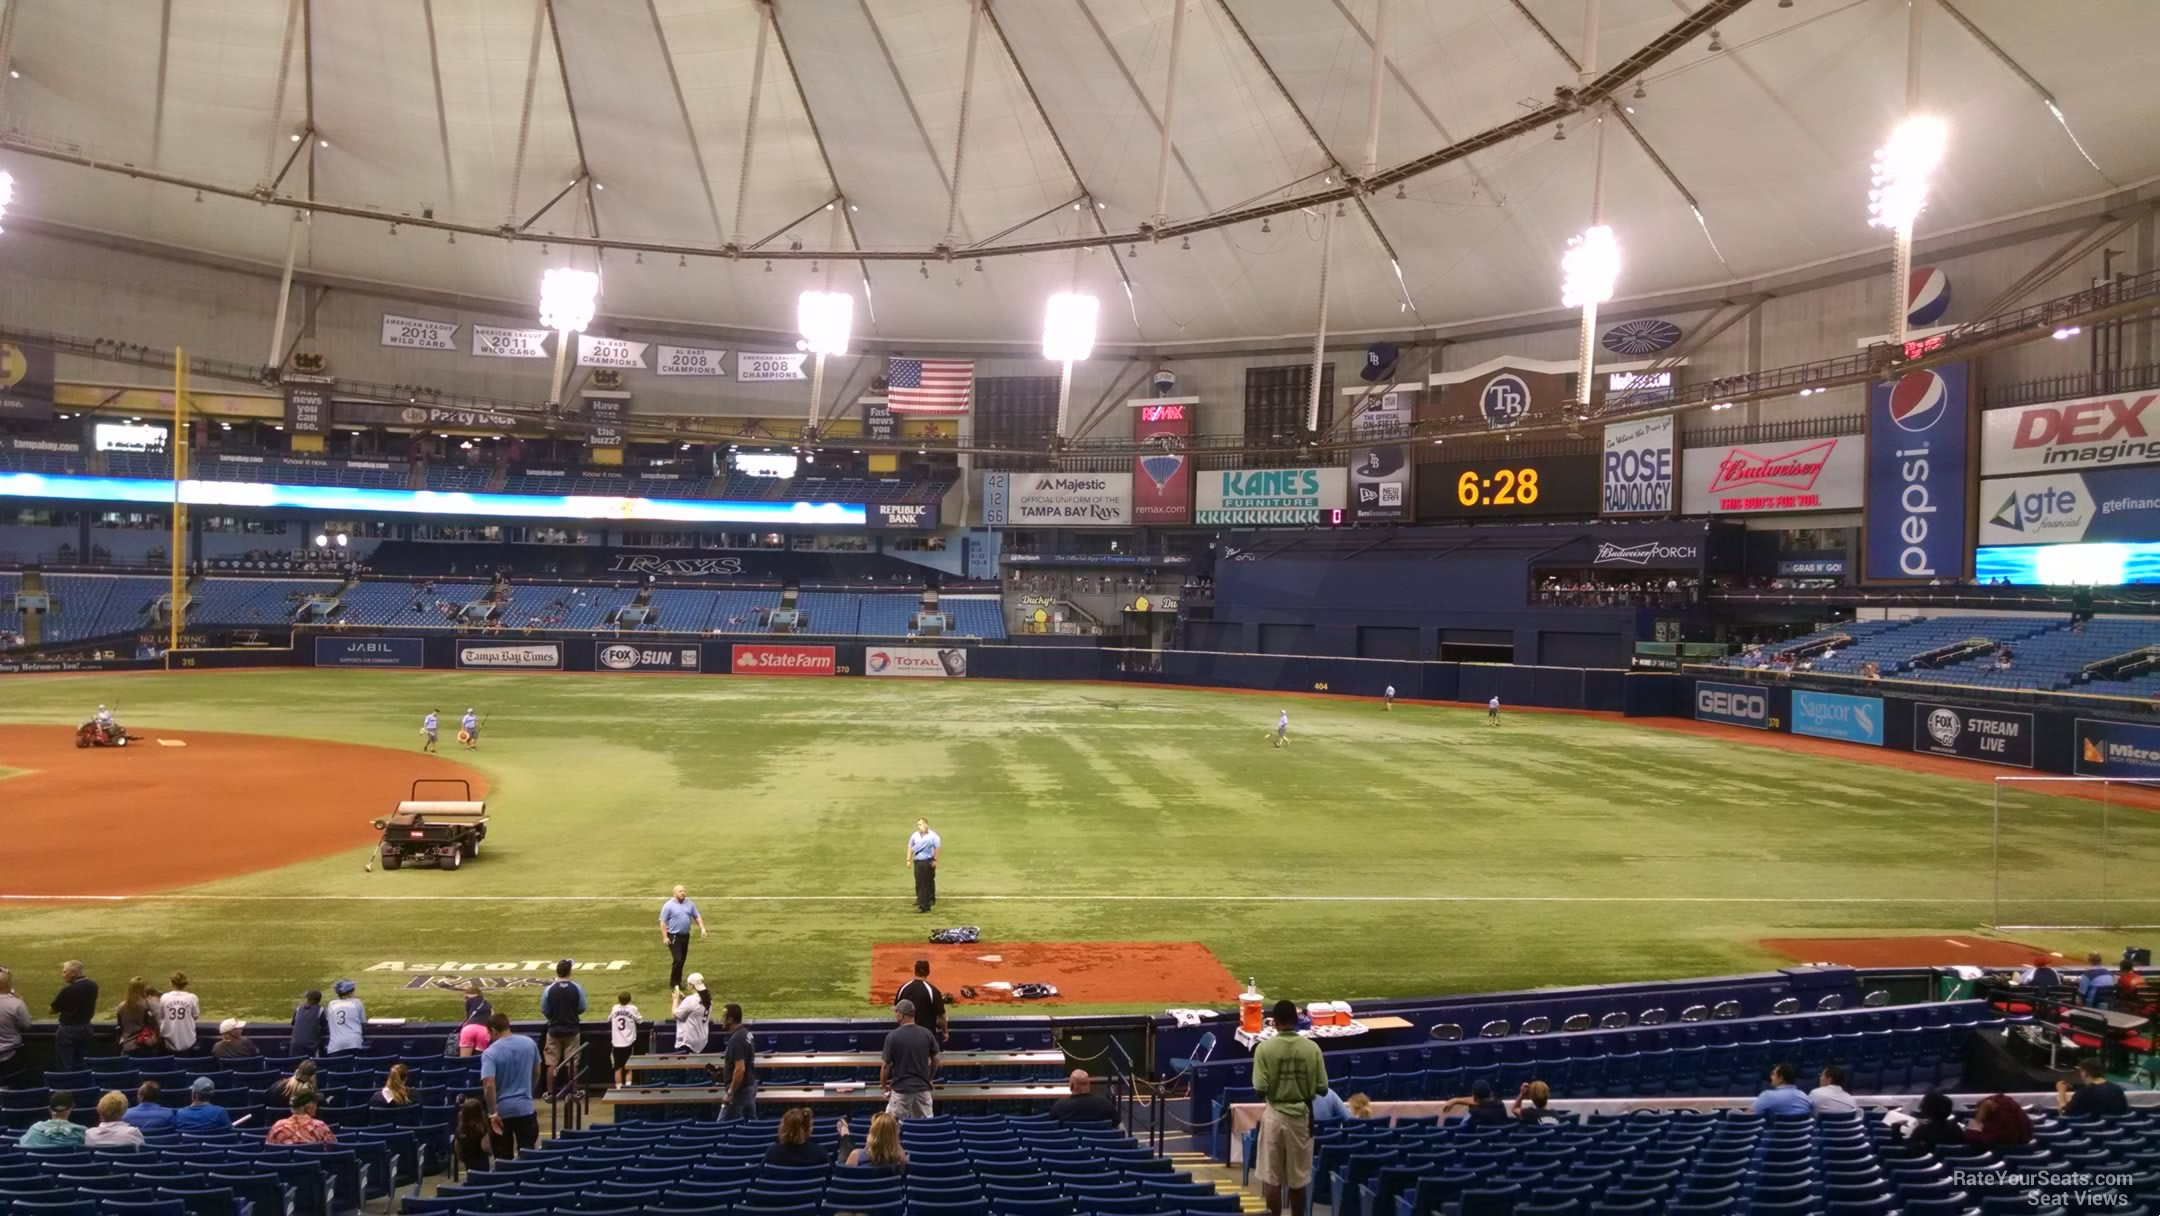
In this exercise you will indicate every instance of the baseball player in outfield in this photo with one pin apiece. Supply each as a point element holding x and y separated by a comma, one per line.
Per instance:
<point>1492,710</point>
<point>469,730</point>
<point>1282,728</point>
<point>1389,700</point>
<point>428,726</point>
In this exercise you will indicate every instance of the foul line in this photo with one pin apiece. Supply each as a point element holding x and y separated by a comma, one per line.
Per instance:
<point>1057,898</point>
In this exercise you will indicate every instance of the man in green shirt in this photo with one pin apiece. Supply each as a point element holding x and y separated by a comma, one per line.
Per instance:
<point>1289,1073</point>
<point>56,1131</point>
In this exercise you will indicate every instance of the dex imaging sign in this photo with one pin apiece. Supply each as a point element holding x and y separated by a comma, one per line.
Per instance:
<point>2089,433</point>
<point>1829,715</point>
<point>1918,445</point>
<point>1733,705</point>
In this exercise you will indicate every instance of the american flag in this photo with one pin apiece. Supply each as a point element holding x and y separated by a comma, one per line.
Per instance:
<point>928,386</point>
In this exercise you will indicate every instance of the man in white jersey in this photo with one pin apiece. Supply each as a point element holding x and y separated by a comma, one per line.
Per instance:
<point>1389,699</point>
<point>346,1016</point>
<point>1282,728</point>
<point>1492,710</point>
<point>178,1011</point>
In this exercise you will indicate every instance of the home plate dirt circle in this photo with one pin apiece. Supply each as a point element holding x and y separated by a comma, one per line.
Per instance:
<point>145,818</point>
<point>1084,973</point>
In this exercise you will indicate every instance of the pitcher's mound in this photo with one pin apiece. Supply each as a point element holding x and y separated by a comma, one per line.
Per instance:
<point>1084,973</point>
<point>1905,951</point>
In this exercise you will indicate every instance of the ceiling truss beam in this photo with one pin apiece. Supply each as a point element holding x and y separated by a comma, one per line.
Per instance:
<point>682,109</point>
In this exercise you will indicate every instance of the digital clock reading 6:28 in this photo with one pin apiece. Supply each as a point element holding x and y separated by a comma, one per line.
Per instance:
<point>1500,488</point>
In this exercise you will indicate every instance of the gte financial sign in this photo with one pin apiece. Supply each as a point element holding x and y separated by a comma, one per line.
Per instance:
<point>2090,433</point>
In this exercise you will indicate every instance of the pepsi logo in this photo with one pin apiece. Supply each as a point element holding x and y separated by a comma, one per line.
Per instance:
<point>1918,401</point>
<point>1927,295</point>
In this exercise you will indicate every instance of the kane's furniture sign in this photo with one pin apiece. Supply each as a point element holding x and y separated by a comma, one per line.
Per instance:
<point>370,652</point>
<point>1269,496</point>
<point>1733,705</point>
<point>1807,475</point>
<point>763,660</point>
<point>1997,736</point>
<point>2117,749</point>
<point>1638,474</point>
<point>2088,433</point>
<point>922,662</point>
<point>620,656</point>
<point>1070,500</point>
<point>510,656</point>
<point>1829,715</point>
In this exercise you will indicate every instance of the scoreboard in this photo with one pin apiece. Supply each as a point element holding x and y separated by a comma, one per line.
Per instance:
<point>1537,487</point>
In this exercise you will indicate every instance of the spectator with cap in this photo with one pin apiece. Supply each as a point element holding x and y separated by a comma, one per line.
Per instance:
<point>201,1114</point>
<point>909,1067</point>
<point>561,1005</point>
<point>231,1044</point>
<point>148,1113</point>
<point>308,1024</point>
<point>75,1004</point>
<point>56,1129</point>
<point>1083,1104</point>
<point>301,1127</point>
<point>113,1130</point>
<point>346,1016</point>
<point>14,1023</point>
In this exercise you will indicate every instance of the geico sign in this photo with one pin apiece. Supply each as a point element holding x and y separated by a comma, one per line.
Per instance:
<point>1718,702</point>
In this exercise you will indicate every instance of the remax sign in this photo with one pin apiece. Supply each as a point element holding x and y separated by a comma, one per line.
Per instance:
<point>1918,455</point>
<point>1733,705</point>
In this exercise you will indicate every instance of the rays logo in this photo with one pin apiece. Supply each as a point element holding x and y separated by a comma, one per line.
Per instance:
<point>1504,400</point>
<point>1918,401</point>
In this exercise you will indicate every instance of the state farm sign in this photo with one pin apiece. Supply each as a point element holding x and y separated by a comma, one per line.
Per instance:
<point>783,661</point>
<point>1808,475</point>
<point>2090,433</point>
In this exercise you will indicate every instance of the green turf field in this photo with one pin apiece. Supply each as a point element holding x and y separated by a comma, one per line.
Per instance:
<point>1379,854</point>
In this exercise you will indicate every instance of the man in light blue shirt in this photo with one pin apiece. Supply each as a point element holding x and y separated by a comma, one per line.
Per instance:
<point>2097,986</point>
<point>469,729</point>
<point>676,917</point>
<point>1329,1107</point>
<point>428,726</point>
<point>507,1069</point>
<point>922,854</point>
<point>1783,1097</point>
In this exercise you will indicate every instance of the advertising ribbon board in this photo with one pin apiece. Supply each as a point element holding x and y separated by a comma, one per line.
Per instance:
<point>1996,736</point>
<point>2117,749</point>
<point>918,662</point>
<point>1733,705</point>
<point>1638,472</point>
<point>622,656</point>
<point>772,660</point>
<point>1829,715</point>
<point>370,652</point>
<point>1269,496</point>
<point>510,656</point>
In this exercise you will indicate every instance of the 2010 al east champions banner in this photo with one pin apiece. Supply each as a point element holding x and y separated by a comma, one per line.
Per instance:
<point>1162,473</point>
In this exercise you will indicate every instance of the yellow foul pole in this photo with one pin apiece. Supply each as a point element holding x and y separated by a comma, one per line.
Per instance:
<point>178,547</point>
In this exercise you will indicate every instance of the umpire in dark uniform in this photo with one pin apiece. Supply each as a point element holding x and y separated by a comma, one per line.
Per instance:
<point>922,855</point>
<point>929,1000</point>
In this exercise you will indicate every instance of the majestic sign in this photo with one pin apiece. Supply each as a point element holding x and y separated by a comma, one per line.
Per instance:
<point>526,656</point>
<point>596,351</point>
<point>2110,504</point>
<point>495,342</point>
<point>1829,715</point>
<point>921,662</point>
<point>1069,500</point>
<point>370,652</point>
<point>675,567</point>
<point>416,334</point>
<point>914,516</point>
<point>1733,704</point>
<point>624,656</point>
<point>766,660</point>
<point>2117,749</point>
<point>1997,736</point>
<point>689,361</point>
<point>1918,450</point>
<point>1162,472</point>
<point>26,382</point>
<point>1380,475</point>
<point>1638,472</point>
<point>1808,475</point>
<point>2089,433</point>
<point>604,412</point>
<point>1268,496</point>
<point>754,366</point>
<point>307,405</point>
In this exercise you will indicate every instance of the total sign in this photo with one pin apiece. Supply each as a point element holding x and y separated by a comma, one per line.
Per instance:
<point>1919,441</point>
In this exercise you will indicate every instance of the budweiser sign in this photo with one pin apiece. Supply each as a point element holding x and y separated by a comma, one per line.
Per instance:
<point>758,660</point>
<point>1820,474</point>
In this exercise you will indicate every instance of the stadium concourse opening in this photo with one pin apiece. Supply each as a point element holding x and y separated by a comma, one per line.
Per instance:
<point>248,803</point>
<point>1084,973</point>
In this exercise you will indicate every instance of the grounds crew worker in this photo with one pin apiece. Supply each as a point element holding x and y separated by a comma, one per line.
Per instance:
<point>922,851</point>
<point>676,917</point>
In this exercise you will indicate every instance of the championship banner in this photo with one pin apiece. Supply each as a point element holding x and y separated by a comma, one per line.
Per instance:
<point>1919,443</point>
<point>604,412</point>
<point>307,406</point>
<point>1802,475</point>
<point>621,656</point>
<point>1380,475</point>
<point>1997,736</point>
<point>919,662</point>
<point>754,366</point>
<point>414,333</point>
<point>1162,475</point>
<point>1638,471</point>
<point>1269,496</point>
<point>690,361</point>
<point>370,652</point>
<point>1733,705</point>
<point>878,421</point>
<point>1069,500</point>
<point>594,351</point>
<point>2117,749</point>
<point>510,656</point>
<point>494,342</point>
<point>763,660</point>
<point>1829,715</point>
<point>26,382</point>
<point>2065,436</point>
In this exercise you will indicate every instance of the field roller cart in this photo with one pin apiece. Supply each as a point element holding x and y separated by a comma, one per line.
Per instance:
<point>446,832</point>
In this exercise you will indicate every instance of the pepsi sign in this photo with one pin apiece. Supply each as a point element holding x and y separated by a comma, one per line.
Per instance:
<point>1505,400</point>
<point>1927,295</point>
<point>1918,456</point>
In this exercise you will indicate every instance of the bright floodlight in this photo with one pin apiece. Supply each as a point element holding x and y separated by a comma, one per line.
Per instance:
<point>1069,327</point>
<point>566,299</point>
<point>1589,268</point>
<point>7,192</point>
<point>825,319</point>
<point>1902,168</point>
